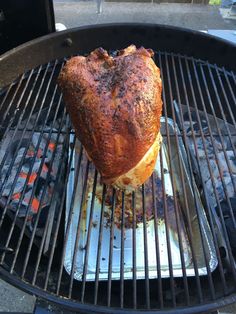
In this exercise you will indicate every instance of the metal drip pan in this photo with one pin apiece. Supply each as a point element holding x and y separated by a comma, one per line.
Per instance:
<point>109,234</point>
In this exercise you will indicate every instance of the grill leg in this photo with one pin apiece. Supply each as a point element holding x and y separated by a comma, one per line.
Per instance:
<point>99,6</point>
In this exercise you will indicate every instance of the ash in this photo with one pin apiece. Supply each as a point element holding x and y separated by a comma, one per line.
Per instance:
<point>217,150</point>
<point>221,154</point>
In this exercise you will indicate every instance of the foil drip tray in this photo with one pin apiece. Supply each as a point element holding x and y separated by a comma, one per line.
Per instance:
<point>177,234</point>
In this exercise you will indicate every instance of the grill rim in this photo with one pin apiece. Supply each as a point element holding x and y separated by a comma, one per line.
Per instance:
<point>91,308</point>
<point>65,43</point>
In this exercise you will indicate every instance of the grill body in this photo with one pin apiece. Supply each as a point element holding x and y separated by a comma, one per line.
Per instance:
<point>195,80</point>
<point>85,39</point>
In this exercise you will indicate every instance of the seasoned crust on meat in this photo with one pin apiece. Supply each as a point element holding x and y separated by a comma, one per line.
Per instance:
<point>115,106</point>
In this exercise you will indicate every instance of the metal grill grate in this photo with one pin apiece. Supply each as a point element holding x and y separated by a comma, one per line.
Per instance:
<point>196,94</point>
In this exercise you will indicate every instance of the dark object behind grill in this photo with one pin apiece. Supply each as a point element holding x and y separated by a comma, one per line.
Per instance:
<point>191,77</point>
<point>24,20</point>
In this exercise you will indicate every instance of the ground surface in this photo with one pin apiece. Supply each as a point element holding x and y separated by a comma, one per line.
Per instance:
<point>194,16</point>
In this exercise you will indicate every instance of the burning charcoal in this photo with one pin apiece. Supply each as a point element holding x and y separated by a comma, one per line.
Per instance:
<point>24,159</point>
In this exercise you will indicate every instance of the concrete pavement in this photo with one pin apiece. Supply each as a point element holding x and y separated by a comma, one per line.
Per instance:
<point>194,16</point>
<point>15,300</point>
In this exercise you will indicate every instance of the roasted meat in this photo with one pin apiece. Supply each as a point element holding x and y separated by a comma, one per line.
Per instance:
<point>115,106</point>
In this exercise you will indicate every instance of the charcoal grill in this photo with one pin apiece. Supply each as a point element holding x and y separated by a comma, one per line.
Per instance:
<point>199,87</point>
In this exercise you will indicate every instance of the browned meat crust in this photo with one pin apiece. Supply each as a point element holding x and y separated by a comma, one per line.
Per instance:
<point>115,106</point>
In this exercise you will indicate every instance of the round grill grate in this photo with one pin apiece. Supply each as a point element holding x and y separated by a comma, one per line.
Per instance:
<point>59,225</point>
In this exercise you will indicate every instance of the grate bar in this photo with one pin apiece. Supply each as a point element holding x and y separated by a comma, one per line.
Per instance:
<point>60,213</point>
<point>10,168</point>
<point>22,113</point>
<point>20,142</point>
<point>122,252</point>
<point>214,148</point>
<point>87,246</point>
<point>209,168</point>
<point>233,76</point>
<point>199,290</point>
<point>184,189</point>
<point>76,247</point>
<point>99,244</point>
<point>184,194</point>
<point>12,100</point>
<point>111,249</point>
<point>8,92</point>
<point>54,195</point>
<point>14,133</point>
<point>226,126</point>
<point>77,172</point>
<point>147,288</point>
<point>163,135</point>
<point>191,171</point>
<point>23,191</point>
<point>172,284</point>
<point>22,197</point>
<point>200,126</point>
<point>28,175</point>
<point>229,86</point>
<point>226,97</point>
<point>42,196</point>
<point>218,203</point>
<point>159,282</point>
<point>6,95</point>
<point>176,214</point>
<point>134,251</point>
